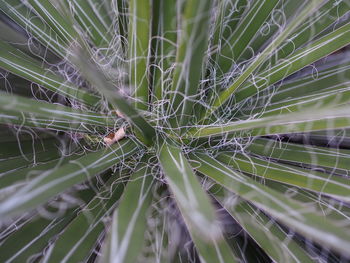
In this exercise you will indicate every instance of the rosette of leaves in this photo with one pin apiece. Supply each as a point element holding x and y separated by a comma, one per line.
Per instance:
<point>236,117</point>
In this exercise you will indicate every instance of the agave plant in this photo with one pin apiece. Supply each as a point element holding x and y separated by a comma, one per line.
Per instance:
<point>175,131</point>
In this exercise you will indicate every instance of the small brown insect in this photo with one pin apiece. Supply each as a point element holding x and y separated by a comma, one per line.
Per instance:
<point>118,113</point>
<point>113,137</point>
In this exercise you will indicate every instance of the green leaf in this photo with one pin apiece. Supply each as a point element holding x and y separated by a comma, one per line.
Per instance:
<point>26,160</point>
<point>280,15</point>
<point>192,200</point>
<point>229,15</point>
<point>122,21</point>
<point>247,28</point>
<point>302,121</point>
<point>328,14</point>
<point>194,205</point>
<point>51,112</point>
<point>326,80</point>
<point>320,100</point>
<point>296,61</point>
<point>139,48</point>
<point>125,238</point>
<point>34,25</point>
<point>54,19</point>
<point>32,238</point>
<point>314,156</point>
<point>22,42</point>
<point>17,146</point>
<point>82,234</point>
<point>25,175</point>
<point>91,16</point>
<point>103,12</point>
<point>295,91</point>
<point>287,211</point>
<point>163,44</point>
<point>18,63</point>
<point>30,235</point>
<point>327,184</point>
<point>30,113</point>
<point>227,93</point>
<point>193,41</point>
<point>269,236</point>
<point>95,76</point>
<point>333,209</point>
<point>28,120</point>
<point>55,181</point>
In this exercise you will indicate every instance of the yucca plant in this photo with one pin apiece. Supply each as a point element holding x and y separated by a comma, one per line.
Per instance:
<point>174,131</point>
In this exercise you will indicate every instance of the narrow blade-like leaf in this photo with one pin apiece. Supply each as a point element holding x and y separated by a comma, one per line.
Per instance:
<point>18,63</point>
<point>50,111</point>
<point>125,239</point>
<point>53,182</point>
<point>226,94</point>
<point>139,48</point>
<point>270,237</point>
<point>194,205</point>
<point>327,184</point>
<point>296,61</point>
<point>82,234</point>
<point>302,121</point>
<point>190,56</point>
<point>282,208</point>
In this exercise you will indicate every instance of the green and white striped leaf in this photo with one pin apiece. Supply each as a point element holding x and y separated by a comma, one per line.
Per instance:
<point>295,91</point>
<point>32,238</point>
<point>26,67</point>
<point>94,20</point>
<point>302,121</point>
<point>11,164</point>
<point>329,207</point>
<point>21,176</point>
<point>327,15</point>
<point>269,236</point>
<point>318,182</point>
<point>326,99</point>
<point>34,25</point>
<point>82,234</point>
<point>54,19</point>
<point>193,40</point>
<point>284,209</point>
<point>228,15</point>
<point>226,94</point>
<point>31,113</point>
<point>277,20</point>
<point>164,36</point>
<point>51,112</point>
<point>125,238</point>
<point>195,206</point>
<point>314,156</point>
<point>247,28</point>
<point>28,120</point>
<point>326,80</point>
<point>29,237</point>
<point>296,61</point>
<point>22,42</point>
<point>139,48</point>
<point>53,182</point>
